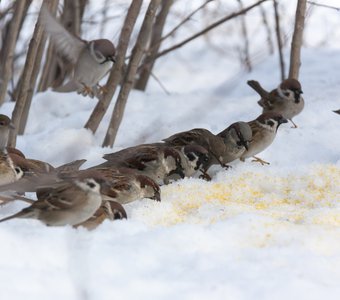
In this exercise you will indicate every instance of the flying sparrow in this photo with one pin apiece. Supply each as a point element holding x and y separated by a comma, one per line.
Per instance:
<point>286,99</point>
<point>153,160</point>
<point>92,60</point>
<point>264,130</point>
<point>67,203</point>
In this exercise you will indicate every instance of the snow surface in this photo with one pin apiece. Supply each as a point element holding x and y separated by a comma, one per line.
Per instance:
<point>253,232</point>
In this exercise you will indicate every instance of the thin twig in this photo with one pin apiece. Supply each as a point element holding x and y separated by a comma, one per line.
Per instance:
<point>324,5</point>
<point>210,27</point>
<point>184,21</point>
<point>160,83</point>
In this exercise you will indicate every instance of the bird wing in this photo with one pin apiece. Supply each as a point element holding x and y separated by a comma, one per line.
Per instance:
<point>187,137</point>
<point>66,43</point>
<point>55,198</point>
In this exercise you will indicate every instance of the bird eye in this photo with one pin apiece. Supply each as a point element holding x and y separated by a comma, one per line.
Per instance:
<point>270,123</point>
<point>191,157</point>
<point>2,123</point>
<point>206,159</point>
<point>90,184</point>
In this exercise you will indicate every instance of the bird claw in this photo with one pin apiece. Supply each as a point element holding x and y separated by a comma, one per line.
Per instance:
<point>205,176</point>
<point>227,167</point>
<point>261,161</point>
<point>86,91</point>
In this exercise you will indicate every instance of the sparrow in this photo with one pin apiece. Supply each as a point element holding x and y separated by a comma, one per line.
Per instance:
<point>222,148</point>
<point>236,138</point>
<point>92,60</point>
<point>66,203</point>
<point>153,160</point>
<point>194,158</point>
<point>125,186</point>
<point>264,130</point>
<point>286,99</point>
<point>109,210</point>
<point>35,174</point>
<point>9,172</point>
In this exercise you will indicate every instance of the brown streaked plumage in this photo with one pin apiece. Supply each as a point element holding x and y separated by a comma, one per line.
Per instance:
<point>264,130</point>
<point>286,99</point>
<point>66,203</point>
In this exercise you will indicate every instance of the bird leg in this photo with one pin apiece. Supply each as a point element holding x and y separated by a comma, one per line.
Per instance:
<point>294,125</point>
<point>261,161</point>
<point>86,91</point>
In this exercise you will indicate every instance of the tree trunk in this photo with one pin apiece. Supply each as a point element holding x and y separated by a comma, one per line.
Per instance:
<point>116,72</point>
<point>7,57</point>
<point>295,52</point>
<point>157,32</point>
<point>137,53</point>
<point>28,76</point>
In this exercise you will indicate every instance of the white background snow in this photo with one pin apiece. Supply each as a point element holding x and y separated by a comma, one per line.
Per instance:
<point>253,232</point>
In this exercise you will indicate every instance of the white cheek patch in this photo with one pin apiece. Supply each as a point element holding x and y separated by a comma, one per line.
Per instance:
<point>269,127</point>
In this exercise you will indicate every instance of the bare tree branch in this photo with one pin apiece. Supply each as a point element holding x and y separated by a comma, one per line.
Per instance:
<point>136,57</point>
<point>245,56</point>
<point>268,30</point>
<point>323,5</point>
<point>186,19</point>
<point>279,39</point>
<point>210,27</point>
<point>28,75</point>
<point>149,59</point>
<point>9,47</point>
<point>115,76</point>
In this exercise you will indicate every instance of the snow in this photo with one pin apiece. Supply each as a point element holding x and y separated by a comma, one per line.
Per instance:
<point>253,232</point>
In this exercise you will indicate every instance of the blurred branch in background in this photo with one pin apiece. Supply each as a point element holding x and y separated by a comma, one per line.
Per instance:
<point>207,29</point>
<point>116,72</point>
<point>245,57</point>
<point>10,38</point>
<point>323,5</point>
<point>186,19</point>
<point>28,79</point>
<point>270,42</point>
<point>279,39</point>
<point>149,60</point>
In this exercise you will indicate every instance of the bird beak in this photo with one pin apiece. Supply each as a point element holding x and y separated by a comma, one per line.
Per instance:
<point>11,125</point>
<point>282,120</point>
<point>112,58</point>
